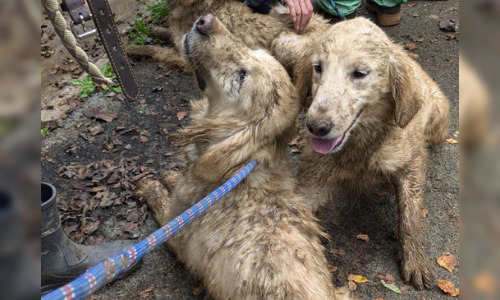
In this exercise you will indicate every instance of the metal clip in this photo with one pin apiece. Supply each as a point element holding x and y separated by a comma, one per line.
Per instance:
<point>85,32</point>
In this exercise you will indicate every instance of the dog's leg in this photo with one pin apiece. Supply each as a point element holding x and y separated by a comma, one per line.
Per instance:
<point>169,179</point>
<point>161,33</point>
<point>164,55</point>
<point>157,199</point>
<point>416,267</point>
<point>313,183</point>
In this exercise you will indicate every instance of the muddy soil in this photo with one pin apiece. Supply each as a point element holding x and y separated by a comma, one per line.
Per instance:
<point>81,157</point>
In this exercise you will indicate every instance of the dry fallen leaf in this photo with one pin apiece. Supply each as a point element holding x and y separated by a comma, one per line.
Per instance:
<point>413,55</point>
<point>352,286</point>
<point>340,252</point>
<point>363,237</point>
<point>145,294</point>
<point>410,46</point>
<point>181,115</point>
<point>332,268</point>
<point>357,278</point>
<point>448,287</point>
<point>94,112</point>
<point>391,286</point>
<point>452,141</point>
<point>197,291</point>
<point>411,4</point>
<point>425,212</point>
<point>379,298</point>
<point>447,261</point>
<point>485,284</point>
<point>387,278</point>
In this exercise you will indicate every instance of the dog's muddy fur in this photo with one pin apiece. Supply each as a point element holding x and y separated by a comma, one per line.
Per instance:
<point>274,32</point>
<point>260,241</point>
<point>385,110</point>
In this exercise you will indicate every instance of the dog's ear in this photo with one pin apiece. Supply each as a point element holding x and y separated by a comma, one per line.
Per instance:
<point>302,74</point>
<point>404,87</point>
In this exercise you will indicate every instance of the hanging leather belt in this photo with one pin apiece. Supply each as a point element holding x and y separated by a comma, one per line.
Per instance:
<point>102,16</point>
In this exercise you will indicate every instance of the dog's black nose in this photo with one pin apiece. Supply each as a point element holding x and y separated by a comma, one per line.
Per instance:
<point>204,24</point>
<point>319,128</point>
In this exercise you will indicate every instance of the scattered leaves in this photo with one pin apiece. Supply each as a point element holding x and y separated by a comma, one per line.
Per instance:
<point>145,294</point>
<point>413,55</point>
<point>332,268</point>
<point>388,278</point>
<point>181,115</point>
<point>363,237</point>
<point>391,286</point>
<point>425,212</point>
<point>450,37</point>
<point>357,278</point>
<point>447,261</point>
<point>197,290</point>
<point>411,4</point>
<point>340,252</point>
<point>452,141</point>
<point>410,46</point>
<point>94,112</point>
<point>448,287</point>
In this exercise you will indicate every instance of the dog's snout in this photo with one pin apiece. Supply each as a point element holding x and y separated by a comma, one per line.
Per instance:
<point>319,128</point>
<point>204,24</point>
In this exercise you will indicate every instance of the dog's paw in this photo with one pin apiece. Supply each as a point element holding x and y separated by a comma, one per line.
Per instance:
<point>169,179</point>
<point>420,273</point>
<point>157,198</point>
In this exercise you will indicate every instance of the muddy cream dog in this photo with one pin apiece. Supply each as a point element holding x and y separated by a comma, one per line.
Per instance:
<point>260,241</point>
<point>274,32</point>
<point>374,111</point>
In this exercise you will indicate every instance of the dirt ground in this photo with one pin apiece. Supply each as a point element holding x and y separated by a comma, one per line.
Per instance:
<point>95,164</point>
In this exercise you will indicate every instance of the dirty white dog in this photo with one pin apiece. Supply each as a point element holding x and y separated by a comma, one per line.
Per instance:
<point>260,241</point>
<point>374,111</point>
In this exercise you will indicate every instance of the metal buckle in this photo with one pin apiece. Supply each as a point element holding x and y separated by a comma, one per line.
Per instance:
<point>85,33</point>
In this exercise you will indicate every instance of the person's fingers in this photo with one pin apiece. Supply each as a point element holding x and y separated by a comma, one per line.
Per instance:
<point>304,15</point>
<point>291,7</point>
<point>311,10</point>
<point>298,14</point>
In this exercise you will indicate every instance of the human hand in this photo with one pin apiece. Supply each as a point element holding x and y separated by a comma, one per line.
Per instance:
<point>301,12</point>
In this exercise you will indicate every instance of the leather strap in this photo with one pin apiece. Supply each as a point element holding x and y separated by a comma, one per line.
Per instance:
<point>77,11</point>
<point>104,22</point>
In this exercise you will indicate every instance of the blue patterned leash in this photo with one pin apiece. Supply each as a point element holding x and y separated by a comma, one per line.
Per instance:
<point>108,270</point>
<point>337,10</point>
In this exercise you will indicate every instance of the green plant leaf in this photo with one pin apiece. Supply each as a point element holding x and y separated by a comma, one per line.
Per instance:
<point>391,286</point>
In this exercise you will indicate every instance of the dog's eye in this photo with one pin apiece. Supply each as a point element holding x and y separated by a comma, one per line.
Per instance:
<point>317,68</point>
<point>242,75</point>
<point>357,74</point>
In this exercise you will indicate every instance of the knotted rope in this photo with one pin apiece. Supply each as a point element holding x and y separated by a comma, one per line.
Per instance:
<point>108,270</point>
<point>57,19</point>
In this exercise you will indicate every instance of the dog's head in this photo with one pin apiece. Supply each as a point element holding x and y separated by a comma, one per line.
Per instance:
<point>251,100</point>
<point>356,77</point>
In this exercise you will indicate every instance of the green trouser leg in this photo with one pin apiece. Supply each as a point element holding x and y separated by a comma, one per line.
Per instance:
<point>347,7</point>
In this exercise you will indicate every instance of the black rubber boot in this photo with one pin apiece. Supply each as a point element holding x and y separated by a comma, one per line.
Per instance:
<point>62,259</point>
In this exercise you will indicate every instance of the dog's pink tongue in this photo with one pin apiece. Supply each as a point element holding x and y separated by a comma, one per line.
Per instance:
<point>325,146</point>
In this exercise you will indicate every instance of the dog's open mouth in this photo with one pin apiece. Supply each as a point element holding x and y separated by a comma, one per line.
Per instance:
<point>325,146</point>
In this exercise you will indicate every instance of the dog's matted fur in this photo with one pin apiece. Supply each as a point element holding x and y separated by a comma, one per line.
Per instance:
<point>373,113</point>
<point>260,241</point>
<point>274,32</point>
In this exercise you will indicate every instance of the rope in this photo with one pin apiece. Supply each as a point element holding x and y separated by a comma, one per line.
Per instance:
<point>108,270</point>
<point>337,10</point>
<point>55,16</point>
